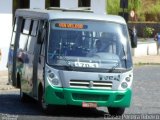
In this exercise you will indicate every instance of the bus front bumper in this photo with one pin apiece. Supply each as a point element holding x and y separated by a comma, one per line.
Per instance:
<point>72,96</point>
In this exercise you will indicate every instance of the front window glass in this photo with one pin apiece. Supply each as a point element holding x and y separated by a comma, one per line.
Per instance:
<point>88,44</point>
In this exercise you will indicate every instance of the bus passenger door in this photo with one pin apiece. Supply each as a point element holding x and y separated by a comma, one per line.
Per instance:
<point>35,70</point>
<point>38,63</point>
<point>33,53</point>
<point>38,68</point>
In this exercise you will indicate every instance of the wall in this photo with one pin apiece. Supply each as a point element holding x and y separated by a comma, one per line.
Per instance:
<point>37,4</point>
<point>68,3</point>
<point>5,30</point>
<point>141,25</point>
<point>98,6</point>
<point>145,48</point>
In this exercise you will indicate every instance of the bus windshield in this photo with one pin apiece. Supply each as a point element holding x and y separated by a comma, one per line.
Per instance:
<point>88,44</point>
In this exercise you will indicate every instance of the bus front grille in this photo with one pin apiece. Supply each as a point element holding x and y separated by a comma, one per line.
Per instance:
<point>90,97</point>
<point>91,84</point>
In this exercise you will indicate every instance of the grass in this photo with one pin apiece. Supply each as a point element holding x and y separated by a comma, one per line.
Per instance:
<point>142,64</point>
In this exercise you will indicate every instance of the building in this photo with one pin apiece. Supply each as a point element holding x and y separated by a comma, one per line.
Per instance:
<point>8,7</point>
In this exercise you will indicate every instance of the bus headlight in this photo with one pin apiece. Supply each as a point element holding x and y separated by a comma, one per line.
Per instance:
<point>128,79</point>
<point>124,85</point>
<point>53,79</point>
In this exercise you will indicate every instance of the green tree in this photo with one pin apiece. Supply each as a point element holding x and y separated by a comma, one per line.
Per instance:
<point>135,4</point>
<point>145,10</point>
<point>148,32</point>
<point>113,7</point>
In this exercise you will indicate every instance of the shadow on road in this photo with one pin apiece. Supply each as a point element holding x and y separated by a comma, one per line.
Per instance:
<point>10,104</point>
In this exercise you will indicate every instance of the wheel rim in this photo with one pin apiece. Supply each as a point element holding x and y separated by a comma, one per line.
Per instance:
<point>42,102</point>
<point>21,93</point>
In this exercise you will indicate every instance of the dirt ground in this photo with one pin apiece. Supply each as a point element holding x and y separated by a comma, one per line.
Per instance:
<point>4,81</point>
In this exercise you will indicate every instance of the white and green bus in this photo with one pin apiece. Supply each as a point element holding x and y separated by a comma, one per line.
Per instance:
<point>51,59</point>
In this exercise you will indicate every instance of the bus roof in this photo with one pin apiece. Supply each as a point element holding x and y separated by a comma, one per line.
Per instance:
<point>67,14</point>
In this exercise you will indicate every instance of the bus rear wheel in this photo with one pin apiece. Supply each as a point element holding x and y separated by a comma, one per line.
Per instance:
<point>116,111</point>
<point>23,96</point>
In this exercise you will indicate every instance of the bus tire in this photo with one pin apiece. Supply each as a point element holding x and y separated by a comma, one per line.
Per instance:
<point>44,107</point>
<point>18,80</point>
<point>23,96</point>
<point>116,111</point>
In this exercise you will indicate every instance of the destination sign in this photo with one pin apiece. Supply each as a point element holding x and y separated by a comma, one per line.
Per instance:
<point>71,25</point>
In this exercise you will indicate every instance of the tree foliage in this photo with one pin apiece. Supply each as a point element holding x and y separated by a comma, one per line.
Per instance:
<point>145,10</point>
<point>113,7</point>
<point>148,32</point>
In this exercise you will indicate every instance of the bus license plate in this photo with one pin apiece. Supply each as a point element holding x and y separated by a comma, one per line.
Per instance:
<point>86,65</point>
<point>89,104</point>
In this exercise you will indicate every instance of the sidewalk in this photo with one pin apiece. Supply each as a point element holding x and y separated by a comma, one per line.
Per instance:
<point>149,59</point>
<point>145,48</point>
<point>4,81</point>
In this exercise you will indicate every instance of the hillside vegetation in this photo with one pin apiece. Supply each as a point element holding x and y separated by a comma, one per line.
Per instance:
<point>146,10</point>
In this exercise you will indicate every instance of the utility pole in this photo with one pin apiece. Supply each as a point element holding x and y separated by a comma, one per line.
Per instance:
<point>124,5</point>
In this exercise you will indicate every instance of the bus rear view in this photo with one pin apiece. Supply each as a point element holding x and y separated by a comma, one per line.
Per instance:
<point>80,61</point>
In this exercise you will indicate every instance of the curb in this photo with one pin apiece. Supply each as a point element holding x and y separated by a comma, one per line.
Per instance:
<point>150,59</point>
<point>6,87</point>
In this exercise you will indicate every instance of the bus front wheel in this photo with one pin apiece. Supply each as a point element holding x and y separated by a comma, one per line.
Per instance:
<point>116,111</point>
<point>45,108</point>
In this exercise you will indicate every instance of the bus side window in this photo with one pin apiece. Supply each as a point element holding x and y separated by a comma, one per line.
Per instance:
<point>34,28</point>
<point>11,49</point>
<point>15,24</point>
<point>42,29</point>
<point>24,34</point>
<point>27,25</point>
<point>43,37</point>
<point>33,37</point>
<point>14,32</point>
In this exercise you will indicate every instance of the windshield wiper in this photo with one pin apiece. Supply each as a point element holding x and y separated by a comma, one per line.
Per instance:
<point>114,67</point>
<point>69,66</point>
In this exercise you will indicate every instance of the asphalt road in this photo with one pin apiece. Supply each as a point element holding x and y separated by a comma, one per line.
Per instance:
<point>146,92</point>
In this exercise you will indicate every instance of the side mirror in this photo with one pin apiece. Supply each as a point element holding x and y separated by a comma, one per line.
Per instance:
<point>133,37</point>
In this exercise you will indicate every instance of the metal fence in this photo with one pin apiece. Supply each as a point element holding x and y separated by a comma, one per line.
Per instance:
<point>141,26</point>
